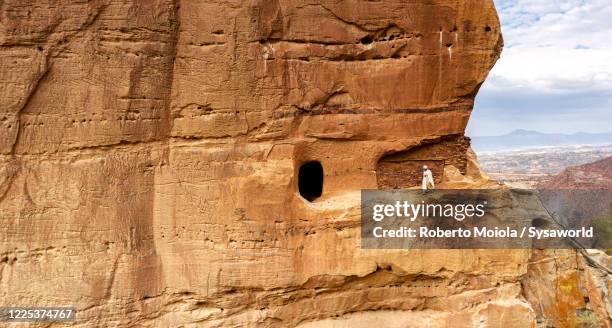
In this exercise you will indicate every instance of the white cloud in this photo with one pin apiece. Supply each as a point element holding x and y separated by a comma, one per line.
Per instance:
<point>556,41</point>
<point>554,69</point>
<point>560,53</point>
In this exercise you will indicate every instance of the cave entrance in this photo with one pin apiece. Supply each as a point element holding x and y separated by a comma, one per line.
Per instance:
<point>310,180</point>
<point>404,169</point>
<point>399,173</point>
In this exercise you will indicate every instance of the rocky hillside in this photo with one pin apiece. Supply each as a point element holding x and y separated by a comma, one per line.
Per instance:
<point>592,175</point>
<point>580,194</point>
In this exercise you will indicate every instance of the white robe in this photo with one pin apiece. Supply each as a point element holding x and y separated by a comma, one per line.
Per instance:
<point>427,180</point>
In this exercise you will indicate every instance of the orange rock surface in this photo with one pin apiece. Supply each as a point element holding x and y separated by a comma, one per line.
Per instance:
<point>150,152</point>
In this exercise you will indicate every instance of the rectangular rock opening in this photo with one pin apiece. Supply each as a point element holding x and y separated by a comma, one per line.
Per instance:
<point>405,169</point>
<point>406,173</point>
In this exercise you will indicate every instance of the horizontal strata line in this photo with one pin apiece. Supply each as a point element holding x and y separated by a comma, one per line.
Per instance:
<point>345,59</point>
<point>91,149</point>
<point>348,111</point>
<point>165,143</point>
<point>305,42</point>
<point>163,140</point>
<point>328,110</point>
<point>358,57</point>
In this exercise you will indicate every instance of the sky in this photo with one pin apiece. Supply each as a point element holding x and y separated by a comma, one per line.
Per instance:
<point>555,72</point>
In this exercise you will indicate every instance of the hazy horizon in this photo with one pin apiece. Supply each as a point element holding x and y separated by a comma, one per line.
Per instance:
<point>526,139</point>
<point>536,131</point>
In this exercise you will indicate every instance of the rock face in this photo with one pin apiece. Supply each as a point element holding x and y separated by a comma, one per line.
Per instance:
<point>573,291</point>
<point>596,175</point>
<point>150,155</point>
<point>580,193</point>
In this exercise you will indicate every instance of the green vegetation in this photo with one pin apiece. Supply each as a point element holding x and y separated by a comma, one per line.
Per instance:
<point>588,319</point>
<point>603,232</point>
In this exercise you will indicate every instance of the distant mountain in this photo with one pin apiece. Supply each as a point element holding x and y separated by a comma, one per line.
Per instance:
<point>523,139</point>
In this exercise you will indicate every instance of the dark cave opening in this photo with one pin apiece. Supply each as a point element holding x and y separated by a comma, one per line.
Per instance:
<point>367,40</point>
<point>310,180</point>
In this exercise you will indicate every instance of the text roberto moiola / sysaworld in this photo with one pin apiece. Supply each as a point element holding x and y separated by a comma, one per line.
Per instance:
<point>459,212</point>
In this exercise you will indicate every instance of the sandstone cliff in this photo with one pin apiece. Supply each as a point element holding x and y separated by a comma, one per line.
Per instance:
<point>150,154</point>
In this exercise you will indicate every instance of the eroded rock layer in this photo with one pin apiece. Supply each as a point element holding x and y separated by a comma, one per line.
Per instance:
<point>150,153</point>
